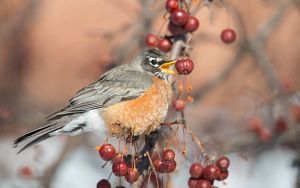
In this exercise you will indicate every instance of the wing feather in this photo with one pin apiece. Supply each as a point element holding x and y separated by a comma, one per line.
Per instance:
<point>115,86</point>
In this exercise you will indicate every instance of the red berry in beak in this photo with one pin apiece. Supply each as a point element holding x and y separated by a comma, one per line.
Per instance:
<point>184,66</point>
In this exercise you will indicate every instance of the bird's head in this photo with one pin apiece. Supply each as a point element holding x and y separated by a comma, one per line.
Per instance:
<point>156,63</point>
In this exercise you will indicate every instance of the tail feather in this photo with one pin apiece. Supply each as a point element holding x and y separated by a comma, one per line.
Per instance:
<point>39,138</point>
<point>38,135</point>
<point>71,125</point>
<point>31,134</point>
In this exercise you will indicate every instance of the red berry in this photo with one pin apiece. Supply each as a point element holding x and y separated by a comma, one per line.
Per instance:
<point>295,112</point>
<point>164,45</point>
<point>119,169</point>
<point>170,166</point>
<point>179,104</point>
<point>223,163</point>
<point>281,125</point>
<point>117,158</point>
<point>132,175</point>
<point>179,17</point>
<point>211,172</point>
<point>103,184</point>
<point>151,40</point>
<point>158,165</point>
<point>26,171</point>
<point>223,175</point>
<point>265,135</point>
<point>107,152</point>
<point>168,155</point>
<point>184,66</point>
<point>154,155</point>
<point>203,184</point>
<point>196,170</point>
<point>192,182</point>
<point>192,24</point>
<point>175,29</point>
<point>172,5</point>
<point>228,36</point>
<point>255,124</point>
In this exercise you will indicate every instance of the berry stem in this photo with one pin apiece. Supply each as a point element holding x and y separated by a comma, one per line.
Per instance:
<point>104,164</point>
<point>162,26</point>
<point>151,164</point>
<point>109,175</point>
<point>187,7</point>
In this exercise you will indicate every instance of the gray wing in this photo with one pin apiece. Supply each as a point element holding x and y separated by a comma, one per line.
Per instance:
<point>115,86</point>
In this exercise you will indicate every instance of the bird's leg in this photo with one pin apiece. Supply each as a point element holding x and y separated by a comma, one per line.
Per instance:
<point>144,160</point>
<point>132,138</point>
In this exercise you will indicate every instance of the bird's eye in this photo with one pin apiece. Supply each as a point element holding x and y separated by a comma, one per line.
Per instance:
<point>153,63</point>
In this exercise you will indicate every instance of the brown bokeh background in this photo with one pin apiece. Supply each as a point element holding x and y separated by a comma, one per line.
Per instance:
<point>50,49</point>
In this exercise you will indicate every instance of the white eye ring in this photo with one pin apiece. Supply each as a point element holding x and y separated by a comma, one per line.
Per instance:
<point>154,65</point>
<point>153,61</point>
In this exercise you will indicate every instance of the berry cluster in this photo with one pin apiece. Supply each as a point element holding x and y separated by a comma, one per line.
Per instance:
<point>180,23</point>
<point>204,177</point>
<point>257,126</point>
<point>120,168</point>
<point>167,163</point>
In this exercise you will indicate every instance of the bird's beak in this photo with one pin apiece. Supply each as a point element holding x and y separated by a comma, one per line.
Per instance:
<point>165,67</point>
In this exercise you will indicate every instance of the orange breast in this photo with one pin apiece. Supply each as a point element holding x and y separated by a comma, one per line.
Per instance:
<point>141,115</point>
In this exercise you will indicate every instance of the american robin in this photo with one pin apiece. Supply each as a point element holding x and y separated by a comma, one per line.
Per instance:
<point>128,99</point>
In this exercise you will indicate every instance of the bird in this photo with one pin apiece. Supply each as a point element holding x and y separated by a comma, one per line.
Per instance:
<point>129,99</point>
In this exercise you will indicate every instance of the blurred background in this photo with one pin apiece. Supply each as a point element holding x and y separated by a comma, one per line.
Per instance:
<point>246,94</point>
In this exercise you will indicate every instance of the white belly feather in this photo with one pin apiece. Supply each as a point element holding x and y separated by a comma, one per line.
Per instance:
<point>89,122</point>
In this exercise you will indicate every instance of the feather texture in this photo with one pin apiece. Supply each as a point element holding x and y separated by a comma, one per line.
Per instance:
<point>121,83</point>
